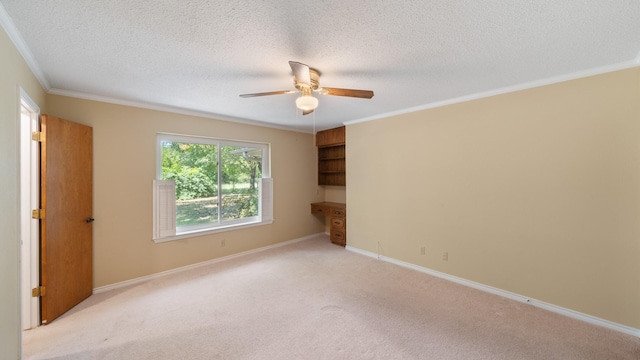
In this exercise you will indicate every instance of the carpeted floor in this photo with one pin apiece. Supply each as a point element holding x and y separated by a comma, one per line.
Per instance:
<point>314,300</point>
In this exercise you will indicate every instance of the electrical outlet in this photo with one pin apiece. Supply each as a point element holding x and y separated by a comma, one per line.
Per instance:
<point>423,250</point>
<point>445,255</point>
<point>223,243</point>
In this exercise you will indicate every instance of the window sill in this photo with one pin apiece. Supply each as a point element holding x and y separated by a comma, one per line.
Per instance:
<point>196,233</point>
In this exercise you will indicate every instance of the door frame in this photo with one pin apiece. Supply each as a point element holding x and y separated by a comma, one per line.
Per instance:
<point>29,117</point>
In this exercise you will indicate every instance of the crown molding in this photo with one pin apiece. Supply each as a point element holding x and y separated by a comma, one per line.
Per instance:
<point>8,25</point>
<point>169,109</point>
<point>524,86</point>
<point>18,41</point>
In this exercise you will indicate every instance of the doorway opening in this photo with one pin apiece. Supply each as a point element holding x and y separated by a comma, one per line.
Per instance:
<point>29,200</point>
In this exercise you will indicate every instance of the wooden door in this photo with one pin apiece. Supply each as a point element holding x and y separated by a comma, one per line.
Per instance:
<point>66,186</point>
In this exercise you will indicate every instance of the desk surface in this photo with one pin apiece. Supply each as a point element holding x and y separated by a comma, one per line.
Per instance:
<point>332,204</point>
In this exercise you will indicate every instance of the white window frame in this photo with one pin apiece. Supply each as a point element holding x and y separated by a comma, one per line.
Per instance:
<point>164,223</point>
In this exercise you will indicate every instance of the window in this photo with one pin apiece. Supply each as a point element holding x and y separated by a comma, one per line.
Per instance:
<point>207,185</point>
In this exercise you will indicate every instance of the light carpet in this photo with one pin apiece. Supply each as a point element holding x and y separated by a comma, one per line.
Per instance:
<point>314,300</point>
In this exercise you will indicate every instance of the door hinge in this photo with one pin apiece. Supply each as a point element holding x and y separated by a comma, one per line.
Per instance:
<point>37,136</point>
<point>37,292</point>
<point>37,214</point>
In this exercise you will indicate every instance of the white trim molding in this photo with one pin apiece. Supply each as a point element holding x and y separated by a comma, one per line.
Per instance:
<point>142,279</point>
<point>505,90</point>
<point>507,294</point>
<point>168,109</point>
<point>12,31</point>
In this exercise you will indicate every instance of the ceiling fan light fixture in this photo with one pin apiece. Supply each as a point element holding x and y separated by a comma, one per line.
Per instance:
<point>307,80</point>
<point>306,103</point>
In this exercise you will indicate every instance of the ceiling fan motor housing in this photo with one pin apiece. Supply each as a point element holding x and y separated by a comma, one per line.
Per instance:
<point>314,75</point>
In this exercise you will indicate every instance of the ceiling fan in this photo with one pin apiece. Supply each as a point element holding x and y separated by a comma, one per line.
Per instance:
<point>306,81</point>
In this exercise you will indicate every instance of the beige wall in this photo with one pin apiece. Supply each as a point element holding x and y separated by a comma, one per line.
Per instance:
<point>125,166</point>
<point>335,194</point>
<point>14,73</point>
<point>536,192</point>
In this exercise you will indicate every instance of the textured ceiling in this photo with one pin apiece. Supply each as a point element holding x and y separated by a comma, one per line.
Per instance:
<point>199,55</point>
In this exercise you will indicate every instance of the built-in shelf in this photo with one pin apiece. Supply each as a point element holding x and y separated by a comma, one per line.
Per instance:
<point>331,157</point>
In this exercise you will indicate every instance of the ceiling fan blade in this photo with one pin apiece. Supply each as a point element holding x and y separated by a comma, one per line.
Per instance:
<point>300,72</point>
<point>363,94</point>
<point>306,112</point>
<point>268,93</point>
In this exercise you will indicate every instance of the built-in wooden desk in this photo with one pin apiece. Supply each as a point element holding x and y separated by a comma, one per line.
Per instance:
<point>337,214</point>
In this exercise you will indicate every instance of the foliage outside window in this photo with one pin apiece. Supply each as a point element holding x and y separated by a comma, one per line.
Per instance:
<point>216,181</point>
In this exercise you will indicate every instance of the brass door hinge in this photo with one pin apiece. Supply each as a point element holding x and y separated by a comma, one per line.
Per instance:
<point>37,214</point>
<point>37,136</point>
<point>37,292</point>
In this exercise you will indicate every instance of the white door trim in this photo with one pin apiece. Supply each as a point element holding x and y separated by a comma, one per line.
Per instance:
<point>29,200</point>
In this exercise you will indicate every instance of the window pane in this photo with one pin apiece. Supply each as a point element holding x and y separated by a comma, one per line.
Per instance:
<point>194,168</point>
<point>217,181</point>
<point>241,172</point>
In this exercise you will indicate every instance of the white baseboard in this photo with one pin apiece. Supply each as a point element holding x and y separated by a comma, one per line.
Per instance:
<point>138,280</point>
<point>507,294</point>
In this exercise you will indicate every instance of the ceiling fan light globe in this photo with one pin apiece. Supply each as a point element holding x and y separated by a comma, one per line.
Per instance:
<point>306,102</point>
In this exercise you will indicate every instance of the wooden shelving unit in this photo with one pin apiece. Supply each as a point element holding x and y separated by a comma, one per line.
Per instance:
<point>331,157</point>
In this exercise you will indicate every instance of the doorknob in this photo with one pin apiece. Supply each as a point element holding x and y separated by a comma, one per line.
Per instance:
<point>90,220</point>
